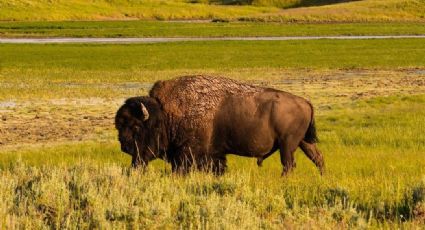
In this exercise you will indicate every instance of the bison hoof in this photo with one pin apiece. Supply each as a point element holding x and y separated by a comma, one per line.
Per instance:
<point>260,162</point>
<point>286,171</point>
<point>322,171</point>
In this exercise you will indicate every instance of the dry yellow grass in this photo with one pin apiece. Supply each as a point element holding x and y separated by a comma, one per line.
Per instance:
<point>366,10</point>
<point>358,11</point>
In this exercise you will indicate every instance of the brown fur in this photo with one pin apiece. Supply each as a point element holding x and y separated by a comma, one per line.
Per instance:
<point>196,120</point>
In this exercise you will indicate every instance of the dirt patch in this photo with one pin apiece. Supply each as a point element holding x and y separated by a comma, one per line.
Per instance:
<point>330,87</point>
<point>124,85</point>
<point>7,104</point>
<point>57,120</point>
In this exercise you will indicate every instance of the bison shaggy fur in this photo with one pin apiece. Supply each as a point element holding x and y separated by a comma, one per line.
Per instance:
<point>195,121</point>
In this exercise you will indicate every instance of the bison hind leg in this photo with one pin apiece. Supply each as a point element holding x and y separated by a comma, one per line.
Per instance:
<point>314,154</point>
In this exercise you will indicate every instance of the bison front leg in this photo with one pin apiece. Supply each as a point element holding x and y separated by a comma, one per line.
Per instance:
<point>181,164</point>
<point>134,162</point>
<point>219,165</point>
<point>180,168</point>
<point>137,162</point>
<point>216,165</point>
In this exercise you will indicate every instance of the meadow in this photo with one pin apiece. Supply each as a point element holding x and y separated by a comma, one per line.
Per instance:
<point>201,29</point>
<point>61,165</point>
<point>46,71</point>
<point>290,11</point>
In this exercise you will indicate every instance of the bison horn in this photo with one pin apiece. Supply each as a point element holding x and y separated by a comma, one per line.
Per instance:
<point>144,112</point>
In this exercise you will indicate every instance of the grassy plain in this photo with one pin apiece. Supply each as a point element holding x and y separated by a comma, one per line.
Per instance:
<point>200,29</point>
<point>62,166</point>
<point>47,71</point>
<point>274,10</point>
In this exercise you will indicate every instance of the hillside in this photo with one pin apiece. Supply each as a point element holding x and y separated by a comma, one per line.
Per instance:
<point>365,10</point>
<point>252,10</point>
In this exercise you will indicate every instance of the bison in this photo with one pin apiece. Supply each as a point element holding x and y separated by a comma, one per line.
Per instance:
<point>195,121</point>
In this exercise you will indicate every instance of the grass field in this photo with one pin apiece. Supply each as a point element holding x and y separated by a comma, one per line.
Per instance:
<point>61,166</point>
<point>200,29</point>
<point>47,71</point>
<point>261,10</point>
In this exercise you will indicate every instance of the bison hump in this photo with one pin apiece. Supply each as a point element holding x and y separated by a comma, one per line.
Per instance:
<point>196,99</point>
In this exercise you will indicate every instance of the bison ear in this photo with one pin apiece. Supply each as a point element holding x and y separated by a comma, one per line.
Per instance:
<point>144,112</point>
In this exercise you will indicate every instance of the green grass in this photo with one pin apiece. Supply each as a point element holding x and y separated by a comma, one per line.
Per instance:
<point>65,154</point>
<point>369,102</point>
<point>204,29</point>
<point>389,53</point>
<point>47,71</point>
<point>261,10</point>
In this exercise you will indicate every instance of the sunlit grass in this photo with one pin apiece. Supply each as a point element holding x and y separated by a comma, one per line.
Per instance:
<point>389,53</point>
<point>199,29</point>
<point>110,10</point>
<point>57,71</point>
<point>260,10</point>
<point>370,122</point>
<point>353,11</point>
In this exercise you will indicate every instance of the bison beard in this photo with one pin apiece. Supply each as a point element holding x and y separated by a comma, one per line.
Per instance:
<point>195,121</point>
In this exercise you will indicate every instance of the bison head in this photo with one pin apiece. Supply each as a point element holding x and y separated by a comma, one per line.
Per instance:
<point>140,129</point>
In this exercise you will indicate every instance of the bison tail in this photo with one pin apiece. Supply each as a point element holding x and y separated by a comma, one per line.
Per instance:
<point>311,135</point>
